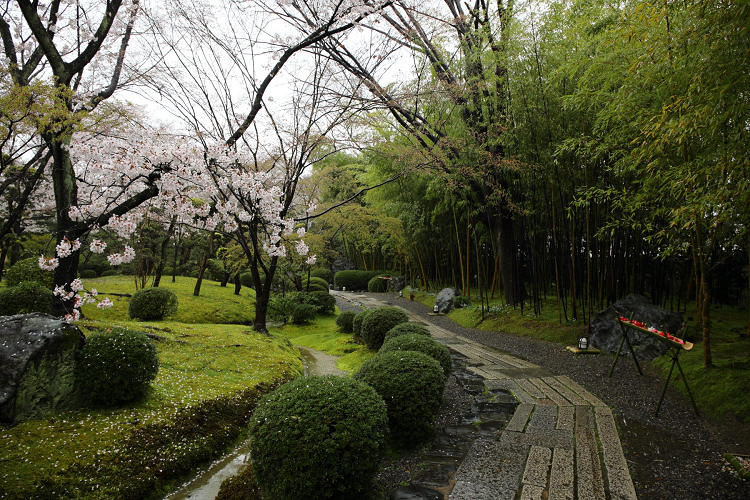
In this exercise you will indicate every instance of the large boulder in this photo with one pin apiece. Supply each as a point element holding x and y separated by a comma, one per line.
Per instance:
<point>444,300</point>
<point>397,283</point>
<point>606,333</point>
<point>37,366</point>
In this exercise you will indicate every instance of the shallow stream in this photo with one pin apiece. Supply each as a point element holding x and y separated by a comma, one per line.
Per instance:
<point>205,485</point>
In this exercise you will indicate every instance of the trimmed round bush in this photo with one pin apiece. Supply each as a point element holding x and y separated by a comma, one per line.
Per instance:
<point>345,321</point>
<point>88,274</point>
<point>109,272</point>
<point>406,329</point>
<point>303,313</point>
<point>26,297</point>
<point>117,367</point>
<point>377,284</point>
<point>152,303</point>
<point>315,284</point>
<point>423,344</point>
<point>377,324</point>
<point>326,274</point>
<point>28,270</point>
<point>167,271</point>
<point>411,384</point>
<point>358,319</point>
<point>318,437</point>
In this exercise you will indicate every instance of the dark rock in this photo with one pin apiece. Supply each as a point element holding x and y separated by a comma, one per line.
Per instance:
<point>397,283</point>
<point>606,333</point>
<point>37,366</point>
<point>415,493</point>
<point>444,300</point>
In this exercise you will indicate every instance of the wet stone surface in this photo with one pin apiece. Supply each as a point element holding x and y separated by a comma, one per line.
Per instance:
<point>489,414</point>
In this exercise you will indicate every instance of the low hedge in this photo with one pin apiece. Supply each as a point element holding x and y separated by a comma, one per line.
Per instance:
<point>156,455</point>
<point>354,280</point>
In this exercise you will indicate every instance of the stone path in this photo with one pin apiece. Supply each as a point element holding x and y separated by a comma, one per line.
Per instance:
<point>561,442</point>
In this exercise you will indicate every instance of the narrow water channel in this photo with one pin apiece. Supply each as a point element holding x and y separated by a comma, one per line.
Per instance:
<point>205,485</point>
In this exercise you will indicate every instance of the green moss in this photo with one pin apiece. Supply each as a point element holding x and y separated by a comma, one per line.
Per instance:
<point>202,392</point>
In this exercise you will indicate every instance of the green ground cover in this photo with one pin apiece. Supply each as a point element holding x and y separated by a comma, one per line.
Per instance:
<point>720,391</point>
<point>324,335</point>
<point>209,373</point>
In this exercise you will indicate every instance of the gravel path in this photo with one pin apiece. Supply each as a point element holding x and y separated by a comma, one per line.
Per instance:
<point>676,455</point>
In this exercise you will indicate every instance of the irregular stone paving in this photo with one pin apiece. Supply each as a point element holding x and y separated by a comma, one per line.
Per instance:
<point>561,442</point>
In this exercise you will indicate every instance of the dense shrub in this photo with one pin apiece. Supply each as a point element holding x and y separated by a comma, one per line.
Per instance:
<point>303,313</point>
<point>324,302</point>
<point>117,367</point>
<point>326,274</point>
<point>152,303</point>
<point>345,321</point>
<point>358,319</point>
<point>377,284</point>
<point>315,285</point>
<point>246,279</point>
<point>109,272</point>
<point>88,274</point>
<point>421,343</point>
<point>354,280</point>
<point>406,329</point>
<point>377,324</point>
<point>280,308</point>
<point>167,271</point>
<point>26,297</point>
<point>318,437</point>
<point>240,487</point>
<point>28,270</point>
<point>411,384</point>
<point>460,301</point>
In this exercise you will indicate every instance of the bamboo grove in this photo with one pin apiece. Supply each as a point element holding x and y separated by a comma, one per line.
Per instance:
<point>571,156</point>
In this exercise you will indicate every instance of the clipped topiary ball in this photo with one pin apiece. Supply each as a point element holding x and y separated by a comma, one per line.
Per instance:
<point>326,274</point>
<point>88,274</point>
<point>27,297</point>
<point>377,285</point>
<point>411,384</point>
<point>28,270</point>
<point>303,313</point>
<point>421,343</point>
<point>117,367</point>
<point>152,303</point>
<point>345,321</point>
<point>406,329</point>
<point>315,285</point>
<point>357,321</point>
<point>377,324</point>
<point>318,437</point>
<point>109,272</point>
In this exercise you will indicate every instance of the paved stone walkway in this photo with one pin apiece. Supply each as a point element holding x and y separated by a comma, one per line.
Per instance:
<point>561,443</point>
